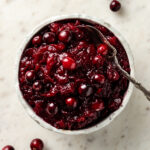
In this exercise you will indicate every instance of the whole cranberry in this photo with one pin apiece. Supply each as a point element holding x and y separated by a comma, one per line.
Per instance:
<point>37,86</point>
<point>49,37</point>
<point>102,49</point>
<point>30,75</point>
<point>112,40</point>
<point>61,46</point>
<point>98,60</point>
<point>8,147</point>
<point>71,102</point>
<point>115,5</point>
<point>37,40</point>
<point>82,89</point>
<point>99,78</point>
<point>36,144</point>
<point>52,108</point>
<point>64,36</point>
<point>68,63</point>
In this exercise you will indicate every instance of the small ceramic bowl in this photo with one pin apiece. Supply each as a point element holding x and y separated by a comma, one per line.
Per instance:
<point>107,120</point>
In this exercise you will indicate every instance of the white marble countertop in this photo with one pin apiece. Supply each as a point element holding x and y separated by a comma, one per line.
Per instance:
<point>130,131</point>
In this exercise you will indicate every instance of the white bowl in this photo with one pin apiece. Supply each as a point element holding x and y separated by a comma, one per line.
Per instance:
<point>107,120</point>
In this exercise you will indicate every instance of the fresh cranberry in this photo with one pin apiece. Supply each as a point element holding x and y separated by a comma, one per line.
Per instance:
<point>30,75</point>
<point>68,63</point>
<point>49,37</point>
<point>37,144</point>
<point>8,147</point>
<point>99,78</point>
<point>71,102</point>
<point>102,49</point>
<point>37,40</point>
<point>115,5</point>
<point>52,108</point>
<point>37,86</point>
<point>64,36</point>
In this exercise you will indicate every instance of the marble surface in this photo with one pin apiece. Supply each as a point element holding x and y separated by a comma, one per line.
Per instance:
<point>131,130</point>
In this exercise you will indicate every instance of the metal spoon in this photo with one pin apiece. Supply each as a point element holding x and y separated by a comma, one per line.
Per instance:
<point>98,36</point>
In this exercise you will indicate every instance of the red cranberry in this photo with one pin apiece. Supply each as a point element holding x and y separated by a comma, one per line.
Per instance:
<point>49,37</point>
<point>8,147</point>
<point>54,27</point>
<point>98,60</point>
<point>64,36</point>
<point>52,109</point>
<point>37,40</point>
<point>37,86</point>
<point>71,102</point>
<point>102,49</point>
<point>112,40</point>
<point>30,75</point>
<point>115,5</point>
<point>113,75</point>
<point>99,78</point>
<point>98,105</point>
<point>82,88</point>
<point>68,63</point>
<point>61,46</point>
<point>37,144</point>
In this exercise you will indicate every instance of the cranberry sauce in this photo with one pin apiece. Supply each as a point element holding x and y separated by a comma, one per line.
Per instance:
<point>69,81</point>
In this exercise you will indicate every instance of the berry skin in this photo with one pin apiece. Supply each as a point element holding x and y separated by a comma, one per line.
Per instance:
<point>37,40</point>
<point>8,147</point>
<point>37,144</point>
<point>112,40</point>
<point>82,89</point>
<point>115,5</point>
<point>102,49</point>
<point>71,102</point>
<point>98,60</point>
<point>64,36</point>
<point>68,63</point>
<point>37,86</point>
<point>30,75</point>
<point>99,78</point>
<point>52,109</point>
<point>49,37</point>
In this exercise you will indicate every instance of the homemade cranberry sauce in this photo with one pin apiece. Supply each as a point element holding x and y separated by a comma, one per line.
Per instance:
<point>69,81</point>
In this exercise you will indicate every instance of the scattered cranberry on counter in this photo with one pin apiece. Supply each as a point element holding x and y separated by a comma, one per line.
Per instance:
<point>37,144</point>
<point>115,5</point>
<point>8,147</point>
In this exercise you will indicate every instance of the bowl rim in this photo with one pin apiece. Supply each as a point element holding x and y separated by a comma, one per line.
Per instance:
<point>108,119</point>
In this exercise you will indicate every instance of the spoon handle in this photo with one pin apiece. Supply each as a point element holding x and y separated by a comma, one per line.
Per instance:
<point>137,84</point>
